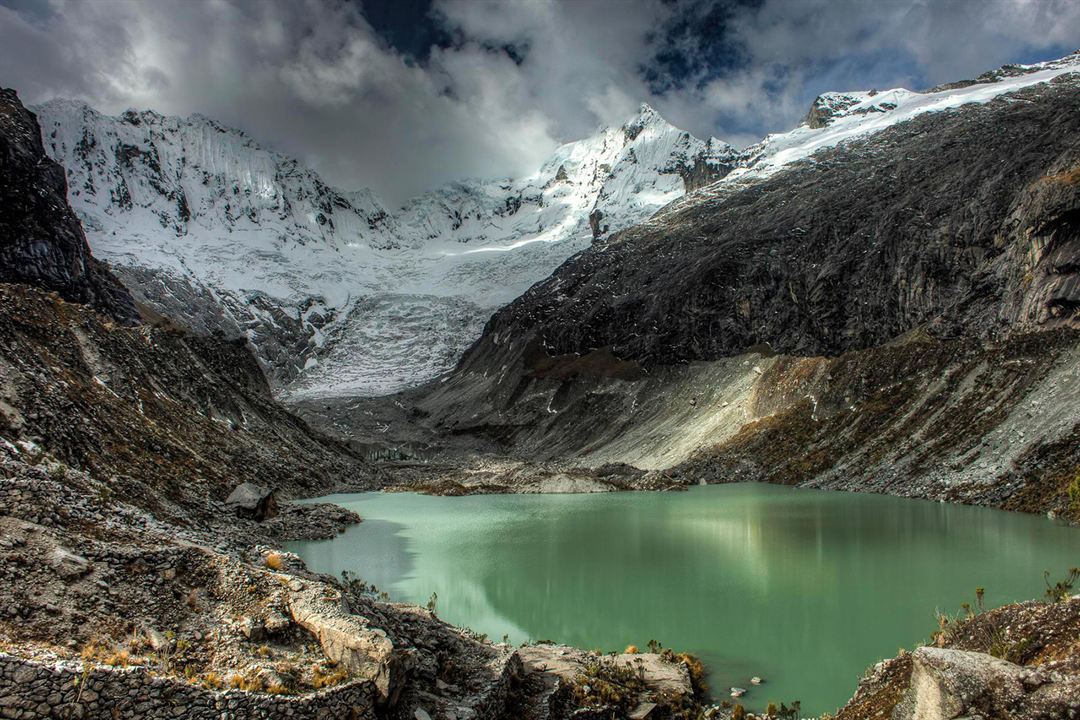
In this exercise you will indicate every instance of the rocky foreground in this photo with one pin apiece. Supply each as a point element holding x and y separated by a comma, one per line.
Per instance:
<point>108,610</point>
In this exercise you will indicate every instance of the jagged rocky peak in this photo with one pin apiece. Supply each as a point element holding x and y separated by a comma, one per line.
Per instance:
<point>831,105</point>
<point>645,117</point>
<point>41,241</point>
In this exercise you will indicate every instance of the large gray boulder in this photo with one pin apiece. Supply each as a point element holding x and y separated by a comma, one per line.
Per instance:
<point>252,502</point>
<point>948,684</point>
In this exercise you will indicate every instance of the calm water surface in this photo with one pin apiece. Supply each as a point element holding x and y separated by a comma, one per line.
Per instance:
<point>804,588</point>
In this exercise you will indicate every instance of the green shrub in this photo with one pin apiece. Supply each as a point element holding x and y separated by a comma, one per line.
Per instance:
<point>1062,589</point>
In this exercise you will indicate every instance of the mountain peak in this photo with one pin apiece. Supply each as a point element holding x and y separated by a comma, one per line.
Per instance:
<point>646,116</point>
<point>647,110</point>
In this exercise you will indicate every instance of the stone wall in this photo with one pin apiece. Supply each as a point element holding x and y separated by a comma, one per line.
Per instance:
<point>32,689</point>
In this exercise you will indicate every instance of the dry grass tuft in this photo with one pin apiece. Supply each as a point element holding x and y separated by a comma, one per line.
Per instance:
<point>1066,177</point>
<point>323,678</point>
<point>246,683</point>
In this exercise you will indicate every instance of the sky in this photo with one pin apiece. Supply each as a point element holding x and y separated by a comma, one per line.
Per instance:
<point>405,95</point>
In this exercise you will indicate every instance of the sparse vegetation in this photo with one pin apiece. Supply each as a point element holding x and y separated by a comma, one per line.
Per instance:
<point>1074,496</point>
<point>212,681</point>
<point>275,561</point>
<point>1062,589</point>
<point>106,654</point>
<point>694,667</point>
<point>322,677</point>
<point>605,682</point>
<point>247,683</point>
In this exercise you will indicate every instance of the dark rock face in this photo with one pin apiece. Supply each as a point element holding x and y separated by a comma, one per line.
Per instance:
<point>704,172</point>
<point>163,417</point>
<point>41,240</point>
<point>965,221</point>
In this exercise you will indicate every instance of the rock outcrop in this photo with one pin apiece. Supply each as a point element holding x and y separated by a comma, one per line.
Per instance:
<point>1019,662</point>
<point>249,500</point>
<point>347,639</point>
<point>41,240</point>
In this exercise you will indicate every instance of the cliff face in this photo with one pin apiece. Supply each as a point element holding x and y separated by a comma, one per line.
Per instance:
<point>41,240</point>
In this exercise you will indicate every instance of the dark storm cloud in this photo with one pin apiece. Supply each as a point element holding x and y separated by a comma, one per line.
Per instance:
<point>405,95</point>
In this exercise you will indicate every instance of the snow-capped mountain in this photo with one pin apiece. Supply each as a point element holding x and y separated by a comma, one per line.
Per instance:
<point>337,293</point>
<point>837,117</point>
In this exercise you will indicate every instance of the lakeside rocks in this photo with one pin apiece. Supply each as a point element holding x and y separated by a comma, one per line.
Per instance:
<point>346,639</point>
<point>1020,661</point>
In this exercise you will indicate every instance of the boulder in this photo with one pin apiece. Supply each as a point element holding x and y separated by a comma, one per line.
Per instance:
<point>67,564</point>
<point>252,502</point>
<point>948,683</point>
<point>349,640</point>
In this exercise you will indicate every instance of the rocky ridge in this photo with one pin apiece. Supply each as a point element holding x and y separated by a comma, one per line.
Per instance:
<point>43,242</point>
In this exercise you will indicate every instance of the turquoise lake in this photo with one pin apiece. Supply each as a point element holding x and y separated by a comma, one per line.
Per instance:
<point>804,588</point>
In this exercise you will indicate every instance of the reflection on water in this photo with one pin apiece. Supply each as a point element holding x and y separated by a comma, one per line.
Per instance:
<point>805,588</point>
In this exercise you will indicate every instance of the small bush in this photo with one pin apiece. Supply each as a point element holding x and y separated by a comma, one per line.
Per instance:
<point>213,681</point>
<point>120,658</point>
<point>631,650</point>
<point>274,561</point>
<point>322,678</point>
<point>192,600</point>
<point>1062,589</point>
